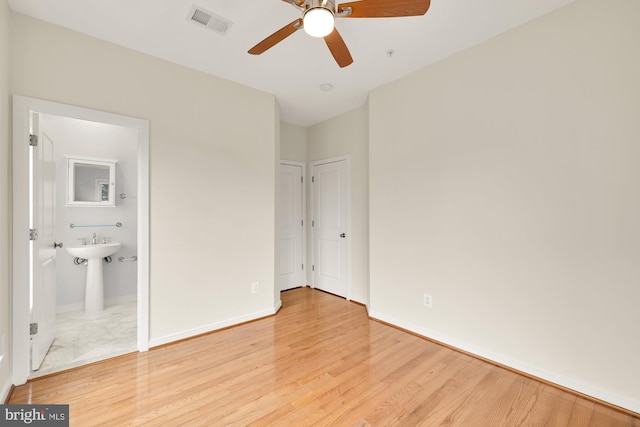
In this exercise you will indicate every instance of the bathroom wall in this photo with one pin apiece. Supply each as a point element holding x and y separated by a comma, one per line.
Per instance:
<point>84,138</point>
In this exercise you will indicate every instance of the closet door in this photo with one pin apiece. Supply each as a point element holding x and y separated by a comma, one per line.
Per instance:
<point>291,231</point>
<point>330,226</point>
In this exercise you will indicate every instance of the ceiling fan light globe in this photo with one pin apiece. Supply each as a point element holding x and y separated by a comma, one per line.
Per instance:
<point>318,22</point>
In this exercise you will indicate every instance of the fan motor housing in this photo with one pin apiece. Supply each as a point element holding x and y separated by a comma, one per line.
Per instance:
<point>330,5</point>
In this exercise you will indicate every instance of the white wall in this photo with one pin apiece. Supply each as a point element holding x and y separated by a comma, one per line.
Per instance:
<point>212,177</point>
<point>83,138</point>
<point>293,142</point>
<point>347,134</point>
<point>505,181</point>
<point>5,205</point>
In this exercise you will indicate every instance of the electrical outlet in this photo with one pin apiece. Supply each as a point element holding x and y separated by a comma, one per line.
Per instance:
<point>255,287</point>
<point>428,300</point>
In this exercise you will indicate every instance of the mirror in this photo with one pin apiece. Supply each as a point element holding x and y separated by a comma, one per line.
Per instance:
<point>91,181</point>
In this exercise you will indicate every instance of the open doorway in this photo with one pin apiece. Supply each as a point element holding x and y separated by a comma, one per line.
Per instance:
<point>45,136</point>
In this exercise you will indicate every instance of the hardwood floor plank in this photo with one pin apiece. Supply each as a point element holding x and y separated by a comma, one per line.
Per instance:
<point>320,361</point>
<point>443,405</point>
<point>390,405</point>
<point>515,400</point>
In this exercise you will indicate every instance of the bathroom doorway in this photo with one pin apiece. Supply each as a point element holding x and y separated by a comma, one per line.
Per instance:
<point>81,335</point>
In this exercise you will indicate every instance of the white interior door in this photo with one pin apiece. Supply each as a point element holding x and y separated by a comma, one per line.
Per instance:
<point>330,226</point>
<point>43,249</point>
<point>291,230</point>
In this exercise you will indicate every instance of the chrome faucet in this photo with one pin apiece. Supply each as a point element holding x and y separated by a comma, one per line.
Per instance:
<point>94,239</point>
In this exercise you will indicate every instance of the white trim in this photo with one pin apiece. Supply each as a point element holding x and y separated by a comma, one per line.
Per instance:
<point>614,399</point>
<point>305,275</point>
<point>347,159</point>
<point>20,242</point>
<point>143,236</point>
<point>277,307</point>
<point>167,339</point>
<point>20,303</point>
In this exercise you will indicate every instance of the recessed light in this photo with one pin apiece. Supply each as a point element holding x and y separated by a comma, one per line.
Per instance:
<point>326,87</point>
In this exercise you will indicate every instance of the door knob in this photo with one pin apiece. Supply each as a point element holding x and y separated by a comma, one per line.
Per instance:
<point>57,245</point>
<point>343,235</point>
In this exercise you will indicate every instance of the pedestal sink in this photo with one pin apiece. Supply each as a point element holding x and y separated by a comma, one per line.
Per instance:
<point>94,288</point>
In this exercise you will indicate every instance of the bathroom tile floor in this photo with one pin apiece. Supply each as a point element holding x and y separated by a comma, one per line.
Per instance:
<point>82,338</point>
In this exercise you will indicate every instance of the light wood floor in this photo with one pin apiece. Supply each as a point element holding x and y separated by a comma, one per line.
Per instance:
<point>320,361</point>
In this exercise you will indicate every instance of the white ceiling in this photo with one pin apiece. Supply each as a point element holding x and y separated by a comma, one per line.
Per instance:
<point>294,69</point>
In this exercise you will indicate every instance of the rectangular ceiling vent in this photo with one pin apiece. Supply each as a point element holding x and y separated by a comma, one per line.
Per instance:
<point>209,20</point>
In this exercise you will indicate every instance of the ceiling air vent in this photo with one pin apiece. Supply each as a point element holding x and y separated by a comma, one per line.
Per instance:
<point>209,20</point>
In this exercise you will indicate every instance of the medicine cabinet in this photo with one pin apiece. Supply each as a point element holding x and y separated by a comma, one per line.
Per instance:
<point>91,181</point>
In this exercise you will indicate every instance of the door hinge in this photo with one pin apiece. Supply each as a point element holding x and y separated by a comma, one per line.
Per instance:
<point>303,266</point>
<point>313,268</point>
<point>33,234</point>
<point>33,328</point>
<point>313,223</point>
<point>302,222</point>
<point>313,179</point>
<point>302,179</point>
<point>33,140</point>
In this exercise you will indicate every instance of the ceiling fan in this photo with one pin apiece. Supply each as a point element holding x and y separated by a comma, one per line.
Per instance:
<point>318,19</point>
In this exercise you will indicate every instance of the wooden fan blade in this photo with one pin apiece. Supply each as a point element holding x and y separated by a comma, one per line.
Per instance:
<point>386,8</point>
<point>276,37</point>
<point>338,48</point>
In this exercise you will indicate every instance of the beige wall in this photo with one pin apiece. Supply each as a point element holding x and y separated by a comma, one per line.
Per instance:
<point>293,142</point>
<point>505,181</point>
<point>347,134</point>
<point>210,173</point>
<point>5,206</point>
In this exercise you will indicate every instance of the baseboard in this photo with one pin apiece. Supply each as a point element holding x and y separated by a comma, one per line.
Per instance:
<point>79,306</point>
<point>622,402</point>
<point>210,328</point>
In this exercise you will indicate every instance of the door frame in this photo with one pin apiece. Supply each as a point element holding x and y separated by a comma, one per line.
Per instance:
<point>305,275</point>
<point>22,106</point>
<point>347,159</point>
